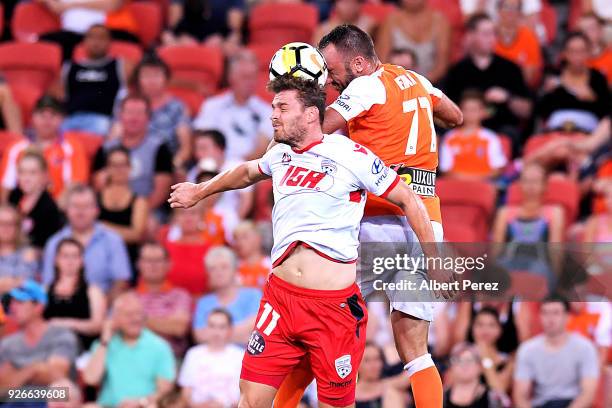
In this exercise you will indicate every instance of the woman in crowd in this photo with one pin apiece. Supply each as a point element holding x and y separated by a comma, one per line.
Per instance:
<point>120,208</point>
<point>41,216</point>
<point>579,98</point>
<point>422,29</point>
<point>169,117</point>
<point>72,302</point>
<point>17,261</point>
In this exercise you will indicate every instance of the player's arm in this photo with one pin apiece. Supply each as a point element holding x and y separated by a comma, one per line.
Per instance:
<point>185,195</point>
<point>446,113</point>
<point>333,121</point>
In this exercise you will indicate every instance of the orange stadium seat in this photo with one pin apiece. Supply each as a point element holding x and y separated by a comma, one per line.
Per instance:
<point>528,286</point>
<point>467,208</point>
<point>194,65</point>
<point>118,49</point>
<point>91,142</point>
<point>277,23</point>
<point>36,64</point>
<point>148,14</point>
<point>32,19</point>
<point>26,96</point>
<point>192,99</point>
<point>378,11</point>
<point>559,191</point>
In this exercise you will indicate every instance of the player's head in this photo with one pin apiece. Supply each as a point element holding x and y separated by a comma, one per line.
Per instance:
<point>349,53</point>
<point>297,109</point>
<point>473,107</point>
<point>481,37</point>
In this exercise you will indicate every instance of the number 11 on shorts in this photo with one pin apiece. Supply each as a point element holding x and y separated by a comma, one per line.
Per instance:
<point>264,316</point>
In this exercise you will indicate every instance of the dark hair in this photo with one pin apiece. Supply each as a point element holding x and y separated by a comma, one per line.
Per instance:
<point>409,51</point>
<point>224,312</point>
<point>33,153</point>
<point>155,244</point>
<point>117,149</point>
<point>590,14</point>
<point>136,97</point>
<point>350,40</point>
<point>309,92</point>
<point>97,26</point>
<point>149,60</point>
<point>472,94</point>
<point>556,298</point>
<point>82,283</point>
<point>217,137</point>
<point>573,35</point>
<point>488,310</point>
<point>472,23</point>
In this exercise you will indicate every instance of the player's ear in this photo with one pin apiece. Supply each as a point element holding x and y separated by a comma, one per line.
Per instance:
<point>312,114</point>
<point>358,64</point>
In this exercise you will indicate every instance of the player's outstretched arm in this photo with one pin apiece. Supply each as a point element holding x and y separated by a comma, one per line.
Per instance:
<point>185,195</point>
<point>446,113</point>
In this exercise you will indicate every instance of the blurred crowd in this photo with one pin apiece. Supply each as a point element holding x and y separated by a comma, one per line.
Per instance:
<point>104,104</point>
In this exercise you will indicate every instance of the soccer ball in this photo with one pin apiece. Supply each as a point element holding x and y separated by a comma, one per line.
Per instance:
<point>301,60</point>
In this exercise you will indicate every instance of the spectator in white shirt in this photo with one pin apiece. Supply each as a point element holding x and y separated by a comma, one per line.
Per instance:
<point>211,371</point>
<point>239,114</point>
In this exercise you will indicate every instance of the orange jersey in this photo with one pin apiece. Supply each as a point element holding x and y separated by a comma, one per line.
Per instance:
<point>66,161</point>
<point>391,113</point>
<point>603,63</point>
<point>477,153</point>
<point>255,275</point>
<point>524,51</point>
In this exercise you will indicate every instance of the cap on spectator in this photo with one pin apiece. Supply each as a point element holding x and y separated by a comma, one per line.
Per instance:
<point>207,167</point>
<point>49,102</point>
<point>29,290</point>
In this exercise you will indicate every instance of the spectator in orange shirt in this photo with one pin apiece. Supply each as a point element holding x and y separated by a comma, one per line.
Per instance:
<point>517,42</point>
<point>472,151</point>
<point>66,159</point>
<point>601,54</point>
<point>253,266</point>
<point>592,320</point>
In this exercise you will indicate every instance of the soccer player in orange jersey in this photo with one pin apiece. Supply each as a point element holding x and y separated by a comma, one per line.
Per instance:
<point>391,111</point>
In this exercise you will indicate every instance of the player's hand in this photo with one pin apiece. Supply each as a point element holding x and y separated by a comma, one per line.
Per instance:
<point>443,276</point>
<point>184,195</point>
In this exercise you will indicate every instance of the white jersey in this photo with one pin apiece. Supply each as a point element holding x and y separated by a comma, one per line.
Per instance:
<point>319,195</point>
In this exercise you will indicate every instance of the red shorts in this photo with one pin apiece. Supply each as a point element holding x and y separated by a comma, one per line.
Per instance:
<point>328,327</point>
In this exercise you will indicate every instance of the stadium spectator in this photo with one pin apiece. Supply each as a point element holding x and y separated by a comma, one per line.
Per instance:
<point>404,57</point>
<point>594,321</point>
<point>242,116</point>
<point>489,7</point>
<point>345,12</point>
<point>422,29</point>
<point>374,389</point>
<point>556,368</point>
<point>598,230</point>
<point>211,372</point>
<point>72,303</point>
<point>41,216</point>
<point>151,159</point>
<point>467,389</point>
<point>132,366</point>
<point>601,54</point>
<point>242,303</point>
<point>90,86</point>
<point>253,265</point>
<point>17,261</point>
<point>78,17</point>
<point>66,159</point>
<point>211,144</point>
<point>167,308</point>
<point>579,98</point>
<point>529,227</point>
<point>497,366</point>
<point>471,151</point>
<point>216,23</point>
<point>38,353</point>
<point>169,121</point>
<point>106,260</point>
<point>122,210</point>
<point>517,42</point>
<point>10,115</point>
<point>500,80</point>
<point>74,397</point>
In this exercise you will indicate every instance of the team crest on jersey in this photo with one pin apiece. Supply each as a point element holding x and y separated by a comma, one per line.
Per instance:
<point>286,158</point>
<point>328,167</point>
<point>343,366</point>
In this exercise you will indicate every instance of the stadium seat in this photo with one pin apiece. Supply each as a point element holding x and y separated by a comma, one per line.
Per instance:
<point>192,99</point>
<point>559,191</point>
<point>118,49</point>
<point>528,286</point>
<point>277,23</point>
<point>194,65</point>
<point>26,96</point>
<point>91,142</point>
<point>575,11</point>
<point>264,53</point>
<point>536,142</point>
<point>148,14</point>
<point>31,19</point>
<point>600,284</point>
<point>378,11</point>
<point>36,64</point>
<point>467,208</point>
<point>7,138</point>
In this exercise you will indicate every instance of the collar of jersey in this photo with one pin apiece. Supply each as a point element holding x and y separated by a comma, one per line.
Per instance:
<point>310,146</point>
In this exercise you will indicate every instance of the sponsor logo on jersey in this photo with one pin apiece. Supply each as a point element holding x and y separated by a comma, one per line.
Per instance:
<point>377,166</point>
<point>299,178</point>
<point>343,105</point>
<point>359,149</point>
<point>286,158</point>
<point>342,384</point>
<point>256,344</point>
<point>328,167</point>
<point>343,366</point>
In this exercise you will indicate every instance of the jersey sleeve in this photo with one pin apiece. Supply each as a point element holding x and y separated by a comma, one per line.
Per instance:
<point>265,162</point>
<point>434,92</point>
<point>371,172</point>
<point>359,97</point>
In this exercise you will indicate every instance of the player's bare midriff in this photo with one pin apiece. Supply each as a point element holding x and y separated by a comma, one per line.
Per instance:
<point>305,268</point>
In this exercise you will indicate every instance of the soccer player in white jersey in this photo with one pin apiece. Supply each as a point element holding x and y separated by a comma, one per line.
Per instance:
<point>311,306</point>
